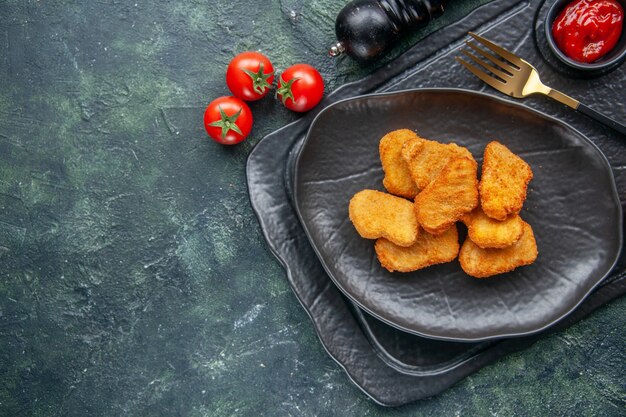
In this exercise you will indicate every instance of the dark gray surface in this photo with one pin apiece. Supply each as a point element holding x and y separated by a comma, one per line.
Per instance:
<point>134,278</point>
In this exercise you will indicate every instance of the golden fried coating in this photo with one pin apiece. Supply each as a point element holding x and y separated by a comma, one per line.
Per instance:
<point>504,180</point>
<point>490,233</point>
<point>451,195</point>
<point>376,214</point>
<point>397,179</point>
<point>483,263</point>
<point>426,158</point>
<point>428,250</point>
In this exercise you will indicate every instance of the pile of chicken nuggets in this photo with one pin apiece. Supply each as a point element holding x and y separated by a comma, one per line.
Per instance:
<point>430,187</point>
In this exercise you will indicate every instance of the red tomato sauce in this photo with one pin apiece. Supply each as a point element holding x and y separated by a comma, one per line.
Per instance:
<point>586,30</point>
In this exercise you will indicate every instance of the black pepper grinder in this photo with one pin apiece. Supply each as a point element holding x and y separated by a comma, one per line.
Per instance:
<point>366,29</point>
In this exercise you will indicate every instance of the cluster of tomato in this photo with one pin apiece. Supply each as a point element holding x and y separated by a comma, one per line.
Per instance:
<point>228,119</point>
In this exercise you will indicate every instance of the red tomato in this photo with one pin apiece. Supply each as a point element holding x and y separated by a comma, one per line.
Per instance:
<point>300,87</point>
<point>228,120</point>
<point>250,75</point>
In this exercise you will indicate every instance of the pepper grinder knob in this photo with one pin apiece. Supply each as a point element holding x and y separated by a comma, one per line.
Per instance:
<point>366,29</point>
<point>336,50</point>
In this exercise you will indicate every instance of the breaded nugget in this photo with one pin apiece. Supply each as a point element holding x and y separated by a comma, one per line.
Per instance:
<point>426,158</point>
<point>428,250</point>
<point>376,214</point>
<point>397,179</point>
<point>483,263</point>
<point>490,233</point>
<point>450,196</point>
<point>504,180</point>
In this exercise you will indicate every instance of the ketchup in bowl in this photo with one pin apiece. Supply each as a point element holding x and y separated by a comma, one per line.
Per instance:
<point>586,30</point>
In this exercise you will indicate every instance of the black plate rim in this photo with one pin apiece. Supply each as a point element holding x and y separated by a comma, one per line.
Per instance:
<point>502,101</point>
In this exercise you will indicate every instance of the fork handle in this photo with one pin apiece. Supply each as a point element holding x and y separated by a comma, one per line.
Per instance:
<point>577,105</point>
<point>602,118</point>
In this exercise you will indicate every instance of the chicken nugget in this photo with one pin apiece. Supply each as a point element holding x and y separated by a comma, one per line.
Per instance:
<point>397,178</point>
<point>504,180</point>
<point>490,233</point>
<point>483,263</point>
<point>451,195</point>
<point>428,250</point>
<point>376,214</point>
<point>426,158</point>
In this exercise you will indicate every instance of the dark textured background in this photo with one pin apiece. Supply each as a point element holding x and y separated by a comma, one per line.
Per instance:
<point>134,279</point>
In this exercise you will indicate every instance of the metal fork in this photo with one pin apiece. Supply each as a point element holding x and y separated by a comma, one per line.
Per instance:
<point>517,78</point>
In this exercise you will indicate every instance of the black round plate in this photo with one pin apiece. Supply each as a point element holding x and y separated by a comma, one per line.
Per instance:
<point>572,206</point>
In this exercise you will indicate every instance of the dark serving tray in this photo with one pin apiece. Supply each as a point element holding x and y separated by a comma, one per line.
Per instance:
<point>391,366</point>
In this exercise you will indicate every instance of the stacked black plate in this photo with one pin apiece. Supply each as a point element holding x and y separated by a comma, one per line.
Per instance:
<point>405,337</point>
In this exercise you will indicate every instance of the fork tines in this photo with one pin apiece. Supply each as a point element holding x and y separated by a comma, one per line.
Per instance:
<point>498,61</point>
